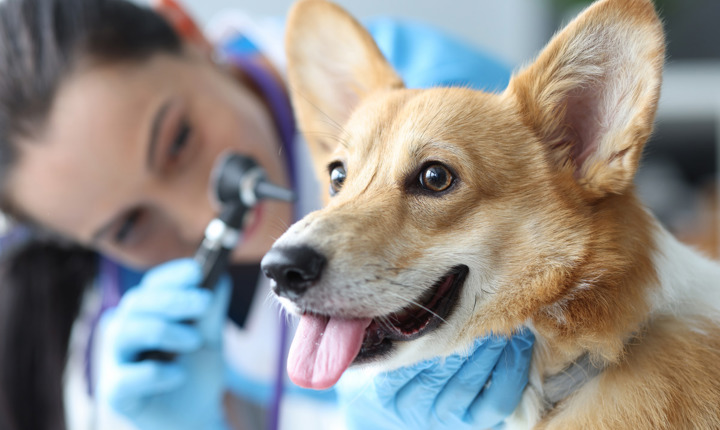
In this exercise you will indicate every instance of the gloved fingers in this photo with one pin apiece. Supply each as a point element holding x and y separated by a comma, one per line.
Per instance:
<point>509,378</point>
<point>213,320</point>
<point>188,304</point>
<point>423,389</point>
<point>173,275</point>
<point>463,387</point>
<point>147,333</point>
<point>134,383</point>
<point>388,384</point>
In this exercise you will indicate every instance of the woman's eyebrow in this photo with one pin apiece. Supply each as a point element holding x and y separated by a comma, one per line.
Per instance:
<point>155,131</point>
<point>151,147</point>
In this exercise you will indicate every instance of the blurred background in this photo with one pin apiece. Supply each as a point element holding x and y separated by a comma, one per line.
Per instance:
<point>679,177</point>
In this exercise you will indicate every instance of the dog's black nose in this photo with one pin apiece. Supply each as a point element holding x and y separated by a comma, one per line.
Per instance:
<point>293,269</point>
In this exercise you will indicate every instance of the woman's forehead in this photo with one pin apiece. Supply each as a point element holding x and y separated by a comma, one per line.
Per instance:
<point>101,114</point>
<point>93,144</point>
<point>105,109</point>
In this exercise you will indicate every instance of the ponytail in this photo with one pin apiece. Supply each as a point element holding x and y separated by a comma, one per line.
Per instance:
<point>41,289</point>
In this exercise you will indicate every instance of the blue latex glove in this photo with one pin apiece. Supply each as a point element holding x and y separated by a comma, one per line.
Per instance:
<point>187,392</point>
<point>459,392</point>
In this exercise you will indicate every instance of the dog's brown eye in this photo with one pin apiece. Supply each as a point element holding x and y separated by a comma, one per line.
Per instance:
<point>436,178</point>
<point>337,177</point>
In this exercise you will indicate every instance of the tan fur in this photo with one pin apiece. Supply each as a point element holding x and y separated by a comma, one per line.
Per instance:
<point>668,380</point>
<point>544,211</point>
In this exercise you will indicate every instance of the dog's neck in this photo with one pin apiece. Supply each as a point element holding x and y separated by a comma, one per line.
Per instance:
<point>606,298</point>
<point>647,273</point>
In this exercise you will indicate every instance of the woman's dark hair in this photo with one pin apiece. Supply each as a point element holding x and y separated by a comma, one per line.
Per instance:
<point>43,281</point>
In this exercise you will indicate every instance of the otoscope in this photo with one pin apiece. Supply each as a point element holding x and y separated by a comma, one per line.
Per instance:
<point>239,183</point>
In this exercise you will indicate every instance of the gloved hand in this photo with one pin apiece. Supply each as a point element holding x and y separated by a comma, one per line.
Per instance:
<point>458,392</point>
<point>187,392</point>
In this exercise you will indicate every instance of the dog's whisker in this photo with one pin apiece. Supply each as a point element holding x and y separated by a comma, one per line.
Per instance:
<point>396,283</point>
<point>397,270</point>
<point>290,319</point>
<point>385,322</point>
<point>413,302</point>
<point>272,302</point>
<point>285,317</point>
<point>306,99</point>
<point>334,137</point>
<point>282,223</point>
<point>270,298</point>
<point>391,320</point>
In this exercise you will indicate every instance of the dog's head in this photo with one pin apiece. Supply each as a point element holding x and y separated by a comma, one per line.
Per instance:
<point>453,213</point>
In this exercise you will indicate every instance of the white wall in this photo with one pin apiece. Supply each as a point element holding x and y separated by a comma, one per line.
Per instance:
<point>513,30</point>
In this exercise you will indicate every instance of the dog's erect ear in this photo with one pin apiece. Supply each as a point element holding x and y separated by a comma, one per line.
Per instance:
<point>333,63</point>
<point>592,93</point>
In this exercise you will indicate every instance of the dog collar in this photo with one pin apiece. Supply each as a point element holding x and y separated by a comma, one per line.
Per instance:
<point>561,385</point>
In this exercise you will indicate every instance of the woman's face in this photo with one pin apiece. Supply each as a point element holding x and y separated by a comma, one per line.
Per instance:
<point>123,164</point>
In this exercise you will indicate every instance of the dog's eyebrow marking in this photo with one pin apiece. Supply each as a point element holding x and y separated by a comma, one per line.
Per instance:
<point>422,136</point>
<point>370,181</point>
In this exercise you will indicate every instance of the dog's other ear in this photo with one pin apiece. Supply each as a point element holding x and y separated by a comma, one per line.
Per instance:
<point>592,93</point>
<point>333,63</point>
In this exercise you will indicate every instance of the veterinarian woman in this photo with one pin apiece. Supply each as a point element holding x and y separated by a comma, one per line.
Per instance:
<point>111,118</point>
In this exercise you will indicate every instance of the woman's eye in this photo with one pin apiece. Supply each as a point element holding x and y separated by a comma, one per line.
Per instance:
<point>180,141</point>
<point>436,178</point>
<point>127,227</point>
<point>337,177</point>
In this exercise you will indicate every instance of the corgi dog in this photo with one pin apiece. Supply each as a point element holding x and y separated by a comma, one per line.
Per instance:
<point>454,214</point>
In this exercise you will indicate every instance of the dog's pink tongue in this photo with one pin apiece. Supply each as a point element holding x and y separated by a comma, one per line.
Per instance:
<point>323,348</point>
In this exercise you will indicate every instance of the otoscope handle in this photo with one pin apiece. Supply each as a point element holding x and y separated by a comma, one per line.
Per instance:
<point>211,272</point>
<point>221,237</point>
<point>213,256</point>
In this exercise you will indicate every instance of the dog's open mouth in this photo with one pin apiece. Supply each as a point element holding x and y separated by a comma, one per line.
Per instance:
<point>324,346</point>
